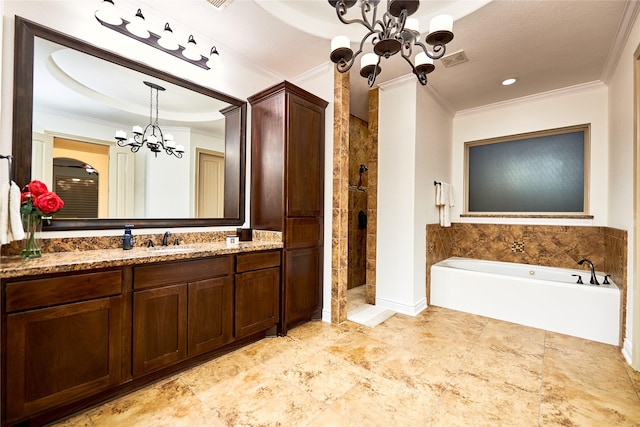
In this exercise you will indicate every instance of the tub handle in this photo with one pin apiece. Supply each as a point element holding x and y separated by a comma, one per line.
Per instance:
<point>606,279</point>
<point>579,279</point>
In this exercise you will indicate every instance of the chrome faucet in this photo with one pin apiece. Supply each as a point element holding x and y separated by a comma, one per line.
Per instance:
<point>594,279</point>
<point>165,239</point>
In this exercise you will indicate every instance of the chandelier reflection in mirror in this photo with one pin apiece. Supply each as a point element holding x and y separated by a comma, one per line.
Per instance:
<point>152,135</point>
<point>393,32</point>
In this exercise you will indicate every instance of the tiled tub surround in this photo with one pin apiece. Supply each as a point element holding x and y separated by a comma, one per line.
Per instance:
<point>546,245</point>
<point>80,253</point>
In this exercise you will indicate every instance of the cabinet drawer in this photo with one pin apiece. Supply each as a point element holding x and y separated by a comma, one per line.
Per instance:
<point>47,292</point>
<point>303,232</point>
<point>257,261</point>
<point>152,276</point>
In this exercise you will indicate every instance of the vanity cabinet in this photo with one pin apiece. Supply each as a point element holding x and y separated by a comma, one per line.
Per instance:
<point>287,190</point>
<point>180,309</point>
<point>257,292</point>
<point>64,340</point>
<point>73,339</point>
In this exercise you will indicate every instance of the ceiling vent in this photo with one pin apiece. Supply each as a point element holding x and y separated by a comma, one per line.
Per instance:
<point>454,58</point>
<point>219,4</point>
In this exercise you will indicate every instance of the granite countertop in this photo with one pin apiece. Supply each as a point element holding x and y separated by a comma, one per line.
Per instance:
<point>56,262</point>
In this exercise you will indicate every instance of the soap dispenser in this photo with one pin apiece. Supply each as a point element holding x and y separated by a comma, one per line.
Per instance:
<point>127,238</point>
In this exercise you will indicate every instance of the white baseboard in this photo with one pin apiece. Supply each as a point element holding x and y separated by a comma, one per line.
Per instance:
<point>626,351</point>
<point>398,307</point>
<point>326,315</point>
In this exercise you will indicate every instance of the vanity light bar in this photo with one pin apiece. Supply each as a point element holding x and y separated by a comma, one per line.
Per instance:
<point>153,41</point>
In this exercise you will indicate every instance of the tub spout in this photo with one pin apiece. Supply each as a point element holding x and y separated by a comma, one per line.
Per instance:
<point>594,279</point>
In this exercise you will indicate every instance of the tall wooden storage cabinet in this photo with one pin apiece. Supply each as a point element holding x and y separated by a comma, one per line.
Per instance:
<point>287,190</point>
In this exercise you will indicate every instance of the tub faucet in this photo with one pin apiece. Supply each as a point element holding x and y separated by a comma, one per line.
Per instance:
<point>594,279</point>
<point>165,238</point>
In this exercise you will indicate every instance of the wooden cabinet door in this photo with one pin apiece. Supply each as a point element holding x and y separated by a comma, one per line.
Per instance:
<point>257,301</point>
<point>210,322</point>
<point>302,284</point>
<point>62,353</point>
<point>159,328</point>
<point>305,158</point>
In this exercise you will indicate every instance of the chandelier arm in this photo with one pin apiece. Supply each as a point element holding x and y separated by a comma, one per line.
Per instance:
<point>394,26</point>
<point>341,11</point>
<point>422,77</point>
<point>439,49</point>
<point>371,79</point>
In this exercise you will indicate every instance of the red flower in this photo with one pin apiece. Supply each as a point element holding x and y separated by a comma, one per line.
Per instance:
<point>24,196</point>
<point>37,188</point>
<point>48,202</point>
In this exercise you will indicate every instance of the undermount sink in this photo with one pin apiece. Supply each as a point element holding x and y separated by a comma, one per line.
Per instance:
<point>170,249</point>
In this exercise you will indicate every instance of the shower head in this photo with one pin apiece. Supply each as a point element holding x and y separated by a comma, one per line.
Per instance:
<point>363,168</point>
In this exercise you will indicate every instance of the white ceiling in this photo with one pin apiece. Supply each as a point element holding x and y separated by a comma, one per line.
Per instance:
<point>547,44</point>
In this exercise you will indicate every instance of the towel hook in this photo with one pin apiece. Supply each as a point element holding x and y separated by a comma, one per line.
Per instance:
<point>9,158</point>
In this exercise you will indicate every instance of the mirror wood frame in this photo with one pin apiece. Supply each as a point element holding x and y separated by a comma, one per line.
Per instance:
<point>235,131</point>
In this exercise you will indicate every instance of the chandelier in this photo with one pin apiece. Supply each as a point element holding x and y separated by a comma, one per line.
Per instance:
<point>155,142</point>
<point>390,33</point>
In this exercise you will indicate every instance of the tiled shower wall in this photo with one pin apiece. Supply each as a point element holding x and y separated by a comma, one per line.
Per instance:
<point>358,187</point>
<point>555,246</point>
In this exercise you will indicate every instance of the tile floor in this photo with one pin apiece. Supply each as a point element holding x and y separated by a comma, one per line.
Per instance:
<point>440,368</point>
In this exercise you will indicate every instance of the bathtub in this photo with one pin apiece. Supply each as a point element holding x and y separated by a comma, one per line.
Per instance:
<point>541,297</point>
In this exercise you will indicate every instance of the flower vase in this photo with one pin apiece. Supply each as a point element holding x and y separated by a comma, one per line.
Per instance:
<point>31,244</point>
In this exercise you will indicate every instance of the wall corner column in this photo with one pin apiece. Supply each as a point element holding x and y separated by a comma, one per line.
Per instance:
<point>340,211</point>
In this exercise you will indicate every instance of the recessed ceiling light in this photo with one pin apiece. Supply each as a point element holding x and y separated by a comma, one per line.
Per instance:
<point>508,82</point>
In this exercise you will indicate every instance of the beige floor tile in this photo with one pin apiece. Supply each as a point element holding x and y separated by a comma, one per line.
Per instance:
<point>360,350</point>
<point>423,374</point>
<point>270,404</point>
<point>444,314</point>
<point>81,420</point>
<point>396,330</point>
<point>377,401</point>
<point>454,328</point>
<point>439,368</point>
<point>477,401</point>
<point>448,353</point>
<point>167,403</point>
<point>634,376</point>
<point>331,418</point>
<point>601,376</point>
<point>576,346</point>
<point>325,376</point>
<point>215,387</point>
<point>512,338</point>
<point>565,405</point>
<point>521,371</point>
<point>321,334</point>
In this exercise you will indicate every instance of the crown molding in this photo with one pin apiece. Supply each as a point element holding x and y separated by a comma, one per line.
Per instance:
<point>529,98</point>
<point>632,8</point>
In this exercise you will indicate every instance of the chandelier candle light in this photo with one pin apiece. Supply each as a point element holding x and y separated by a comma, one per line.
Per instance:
<point>394,32</point>
<point>108,16</point>
<point>155,143</point>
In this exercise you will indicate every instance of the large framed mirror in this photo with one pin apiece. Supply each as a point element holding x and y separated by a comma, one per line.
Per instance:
<point>68,142</point>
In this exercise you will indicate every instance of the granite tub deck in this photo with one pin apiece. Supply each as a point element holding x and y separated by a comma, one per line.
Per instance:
<point>66,261</point>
